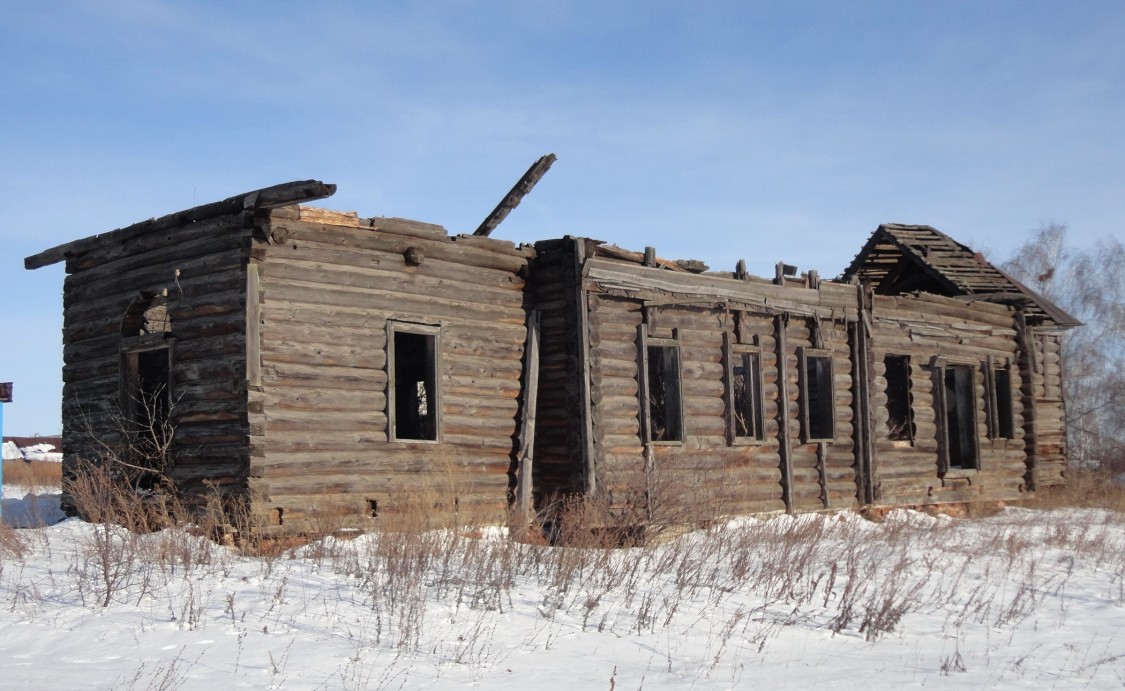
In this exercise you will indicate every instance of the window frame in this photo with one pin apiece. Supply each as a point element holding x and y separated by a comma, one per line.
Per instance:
<point>644,343</point>
<point>803,357</point>
<point>731,352</point>
<point>910,426</point>
<point>941,365</point>
<point>130,390</point>
<point>395,326</point>
<point>999,408</point>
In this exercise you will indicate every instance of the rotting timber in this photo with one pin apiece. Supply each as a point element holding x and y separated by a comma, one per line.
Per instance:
<point>317,365</point>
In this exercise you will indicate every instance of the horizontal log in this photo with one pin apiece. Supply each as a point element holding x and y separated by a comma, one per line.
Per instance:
<point>388,278</point>
<point>327,258</point>
<point>316,316</point>
<point>170,266</point>
<point>300,234</point>
<point>388,304</point>
<point>278,350</point>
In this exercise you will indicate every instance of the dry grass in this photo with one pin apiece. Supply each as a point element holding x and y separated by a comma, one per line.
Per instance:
<point>420,574</point>
<point>1084,488</point>
<point>748,578</point>
<point>12,544</point>
<point>34,475</point>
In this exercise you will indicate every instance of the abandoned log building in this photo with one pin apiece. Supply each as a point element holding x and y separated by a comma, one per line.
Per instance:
<point>299,359</point>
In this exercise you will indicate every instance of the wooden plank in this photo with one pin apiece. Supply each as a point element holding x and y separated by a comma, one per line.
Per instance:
<point>253,324</point>
<point>529,401</point>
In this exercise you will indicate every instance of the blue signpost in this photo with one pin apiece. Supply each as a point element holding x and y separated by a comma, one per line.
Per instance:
<point>5,397</point>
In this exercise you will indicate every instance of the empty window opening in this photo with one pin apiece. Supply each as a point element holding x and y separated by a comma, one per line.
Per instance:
<point>414,384</point>
<point>147,405</point>
<point>665,416</point>
<point>1001,423</point>
<point>746,392</point>
<point>817,396</point>
<point>960,417</point>
<point>151,392</point>
<point>900,411</point>
<point>146,385</point>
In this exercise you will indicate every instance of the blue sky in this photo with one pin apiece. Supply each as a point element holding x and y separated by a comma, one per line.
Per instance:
<point>710,130</point>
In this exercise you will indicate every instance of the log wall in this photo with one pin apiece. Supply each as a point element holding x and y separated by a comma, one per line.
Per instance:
<point>327,286</point>
<point>198,271</point>
<point>923,327</point>
<point>706,475</point>
<point>280,386</point>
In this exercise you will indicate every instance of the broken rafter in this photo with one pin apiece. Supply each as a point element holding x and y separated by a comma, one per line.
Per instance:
<point>516,195</point>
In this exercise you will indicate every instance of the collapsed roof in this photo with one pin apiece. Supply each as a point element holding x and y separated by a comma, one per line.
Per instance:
<point>917,258</point>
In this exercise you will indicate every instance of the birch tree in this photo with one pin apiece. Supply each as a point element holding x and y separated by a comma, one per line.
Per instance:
<point>1089,284</point>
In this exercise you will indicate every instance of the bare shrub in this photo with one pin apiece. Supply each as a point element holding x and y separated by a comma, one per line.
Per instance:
<point>397,560</point>
<point>112,558</point>
<point>13,546</point>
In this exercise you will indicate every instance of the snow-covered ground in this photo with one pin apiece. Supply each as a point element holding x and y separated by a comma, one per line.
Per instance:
<point>25,508</point>
<point>1022,599</point>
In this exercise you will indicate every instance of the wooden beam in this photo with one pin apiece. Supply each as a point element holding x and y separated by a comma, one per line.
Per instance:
<point>585,412</point>
<point>529,402</point>
<point>265,198</point>
<point>515,195</point>
<point>784,450</point>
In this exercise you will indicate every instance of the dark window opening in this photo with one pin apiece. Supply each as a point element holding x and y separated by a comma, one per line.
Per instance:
<point>747,396</point>
<point>147,406</point>
<point>665,417</point>
<point>1001,423</point>
<point>817,398</point>
<point>960,417</point>
<point>151,392</point>
<point>146,387</point>
<point>900,411</point>
<point>414,382</point>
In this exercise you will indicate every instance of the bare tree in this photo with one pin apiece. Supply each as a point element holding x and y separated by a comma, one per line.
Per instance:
<point>1090,284</point>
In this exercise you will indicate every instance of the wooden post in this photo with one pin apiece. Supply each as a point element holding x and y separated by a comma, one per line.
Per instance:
<point>863,388</point>
<point>253,328</point>
<point>525,485</point>
<point>582,322</point>
<point>784,449</point>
